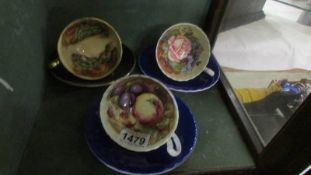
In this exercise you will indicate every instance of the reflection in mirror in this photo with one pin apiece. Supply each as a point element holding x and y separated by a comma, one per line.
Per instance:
<point>268,60</point>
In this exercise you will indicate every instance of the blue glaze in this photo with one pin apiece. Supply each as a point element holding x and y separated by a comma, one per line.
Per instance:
<point>128,162</point>
<point>148,65</point>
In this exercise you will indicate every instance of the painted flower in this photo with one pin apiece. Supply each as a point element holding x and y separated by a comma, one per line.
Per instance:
<point>188,66</point>
<point>179,47</point>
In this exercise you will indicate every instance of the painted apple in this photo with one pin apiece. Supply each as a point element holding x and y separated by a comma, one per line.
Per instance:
<point>148,109</point>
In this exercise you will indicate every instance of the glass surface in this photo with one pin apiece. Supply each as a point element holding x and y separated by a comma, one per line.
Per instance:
<point>267,62</point>
<point>302,4</point>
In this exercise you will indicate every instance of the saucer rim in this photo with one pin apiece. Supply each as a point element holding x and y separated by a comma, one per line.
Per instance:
<point>96,85</point>
<point>165,170</point>
<point>174,87</point>
<point>200,89</point>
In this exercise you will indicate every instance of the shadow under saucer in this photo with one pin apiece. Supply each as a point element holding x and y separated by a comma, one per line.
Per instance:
<point>125,67</point>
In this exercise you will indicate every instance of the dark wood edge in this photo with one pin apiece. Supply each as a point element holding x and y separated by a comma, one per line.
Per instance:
<point>289,151</point>
<point>241,117</point>
<point>294,5</point>
<point>214,21</point>
<point>242,20</point>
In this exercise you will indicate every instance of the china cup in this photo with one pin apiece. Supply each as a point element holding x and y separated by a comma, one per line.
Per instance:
<point>183,52</point>
<point>140,114</point>
<point>89,48</point>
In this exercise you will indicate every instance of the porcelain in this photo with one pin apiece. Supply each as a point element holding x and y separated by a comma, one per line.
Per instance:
<point>89,48</point>
<point>183,51</point>
<point>139,113</point>
<point>128,162</point>
<point>148,66</point>
<point>125,67</point>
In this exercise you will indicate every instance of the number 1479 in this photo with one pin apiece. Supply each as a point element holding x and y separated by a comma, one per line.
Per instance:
<point>133,138</point>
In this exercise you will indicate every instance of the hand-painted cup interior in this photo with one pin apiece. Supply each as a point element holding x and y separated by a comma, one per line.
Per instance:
<point>139,113</point>
<point>183,51</point>
<point>90,48</point>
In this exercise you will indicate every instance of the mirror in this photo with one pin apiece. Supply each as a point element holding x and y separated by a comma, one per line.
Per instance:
<point>264,49</point>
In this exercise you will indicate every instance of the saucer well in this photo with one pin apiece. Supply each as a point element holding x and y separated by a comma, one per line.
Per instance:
<point>126,66</point>
<point>147,64</point>
<point>129,162</point>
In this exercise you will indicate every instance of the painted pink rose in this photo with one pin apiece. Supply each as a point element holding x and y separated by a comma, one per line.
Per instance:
<point>179,47</point>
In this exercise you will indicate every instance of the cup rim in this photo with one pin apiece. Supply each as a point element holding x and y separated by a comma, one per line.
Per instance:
<point>208,46</point>
<point>114,135</point>
<point>68,68</point>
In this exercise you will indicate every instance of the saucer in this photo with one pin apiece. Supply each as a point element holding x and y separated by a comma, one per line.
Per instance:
<point>129,162</point>
<point>147,64</point>
<point>125,67</point>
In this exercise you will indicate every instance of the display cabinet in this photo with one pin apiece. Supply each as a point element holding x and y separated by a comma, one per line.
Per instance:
<point>42,118</point>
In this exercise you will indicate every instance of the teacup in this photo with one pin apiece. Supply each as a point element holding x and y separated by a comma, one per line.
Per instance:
<point>140,114</point>
<point>89,48</point>
<point>183,52</point>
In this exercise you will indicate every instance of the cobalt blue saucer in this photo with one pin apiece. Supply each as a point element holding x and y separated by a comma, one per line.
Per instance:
<point>148,65</point>
<point>128,162</point>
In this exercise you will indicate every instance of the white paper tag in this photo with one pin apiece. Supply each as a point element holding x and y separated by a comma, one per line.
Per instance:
<point>134,138</point>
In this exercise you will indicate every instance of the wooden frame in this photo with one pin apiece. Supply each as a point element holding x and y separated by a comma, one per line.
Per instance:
<point>214,19</point>
<point>289,151</point>
<point>241,117</point>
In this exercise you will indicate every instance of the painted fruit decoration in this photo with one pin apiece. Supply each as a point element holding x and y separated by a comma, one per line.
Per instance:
<point>148,109</point>
<point>92,48</point>
<point>141,105</point>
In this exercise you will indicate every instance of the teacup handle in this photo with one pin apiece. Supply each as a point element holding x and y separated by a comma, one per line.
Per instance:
<point>53,64</point>
<point>209,71</point>
<point>171,149</point>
